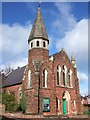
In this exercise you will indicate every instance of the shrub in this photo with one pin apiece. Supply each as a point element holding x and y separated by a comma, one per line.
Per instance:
<point>23,103</point>
<point>9,101</point>
<point>86,111</point>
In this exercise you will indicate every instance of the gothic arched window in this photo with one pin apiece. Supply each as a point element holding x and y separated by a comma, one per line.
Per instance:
<point>64,75</point>
<point>57,103</point>
<point>58,74</point>
<point>74,102</point>
<point>45,78</point>
<point>70,77</point>
<point>29,79</point>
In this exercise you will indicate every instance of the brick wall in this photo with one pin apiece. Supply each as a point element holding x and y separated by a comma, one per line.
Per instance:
<point>35,94</point>
<point>14,90</point>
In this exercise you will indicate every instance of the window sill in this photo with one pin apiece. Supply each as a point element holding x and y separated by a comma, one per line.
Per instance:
<point>38,47</point>
<point>64,86</point>
<point>29,88</point>
<point>45,88</point>
<point>69,87</point>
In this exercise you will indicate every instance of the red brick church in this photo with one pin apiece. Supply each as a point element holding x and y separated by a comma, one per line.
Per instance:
<point>49,83</point>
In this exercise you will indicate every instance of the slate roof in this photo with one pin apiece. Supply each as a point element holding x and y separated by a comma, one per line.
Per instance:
<point>38,29</point>
<point>13,78</point>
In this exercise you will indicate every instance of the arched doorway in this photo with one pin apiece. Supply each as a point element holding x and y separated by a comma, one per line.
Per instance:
<point>66,103</point>
<point>64,106</point>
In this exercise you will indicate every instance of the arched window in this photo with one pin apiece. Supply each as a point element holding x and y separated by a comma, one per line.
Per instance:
<point>29,79</point>
<point>45,78</point>
<point>38,43</point>
<point>70,77</point>
<point>58,74</point>
<point>31,44</point>
<point>57,103</point>
<point>74,102</point>
<point>64,74</point>
<point>44,44</point>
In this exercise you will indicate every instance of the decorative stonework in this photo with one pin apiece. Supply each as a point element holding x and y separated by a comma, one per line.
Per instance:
<point>34,41</point>
<point>37,64</point>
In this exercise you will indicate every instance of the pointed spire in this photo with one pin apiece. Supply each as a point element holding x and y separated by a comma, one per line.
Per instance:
<point>73,60</point>
<point>72,57</point>
<point>62,49</point>
<point>38,29</point>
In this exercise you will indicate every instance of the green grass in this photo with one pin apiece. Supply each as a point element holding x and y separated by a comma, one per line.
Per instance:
<point>86,112</point>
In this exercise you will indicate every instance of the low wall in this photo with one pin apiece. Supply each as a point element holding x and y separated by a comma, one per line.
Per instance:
<point>2,108</point>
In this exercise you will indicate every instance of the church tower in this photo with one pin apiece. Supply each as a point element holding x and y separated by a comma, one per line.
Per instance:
<point>37,54</point>
<point>38,40</point>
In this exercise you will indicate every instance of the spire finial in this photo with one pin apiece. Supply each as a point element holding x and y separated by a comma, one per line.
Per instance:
<point>73,60</point>
<point>72,57</point>
<point>39,4</point>
<point>62,49</point>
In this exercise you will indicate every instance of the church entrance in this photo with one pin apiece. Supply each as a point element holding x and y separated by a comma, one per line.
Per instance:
<point>64,106</point>
<point>66,103</point>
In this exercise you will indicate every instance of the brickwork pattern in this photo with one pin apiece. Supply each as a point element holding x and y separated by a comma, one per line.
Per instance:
<point>37,92</point>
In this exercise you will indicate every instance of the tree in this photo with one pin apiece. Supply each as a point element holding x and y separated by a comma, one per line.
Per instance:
<point>8,69</point>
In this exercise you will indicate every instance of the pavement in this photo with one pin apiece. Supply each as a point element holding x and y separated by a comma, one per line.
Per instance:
<point>20,116</point>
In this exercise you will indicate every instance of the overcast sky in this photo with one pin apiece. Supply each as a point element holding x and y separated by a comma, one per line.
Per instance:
<point>67,27</point>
